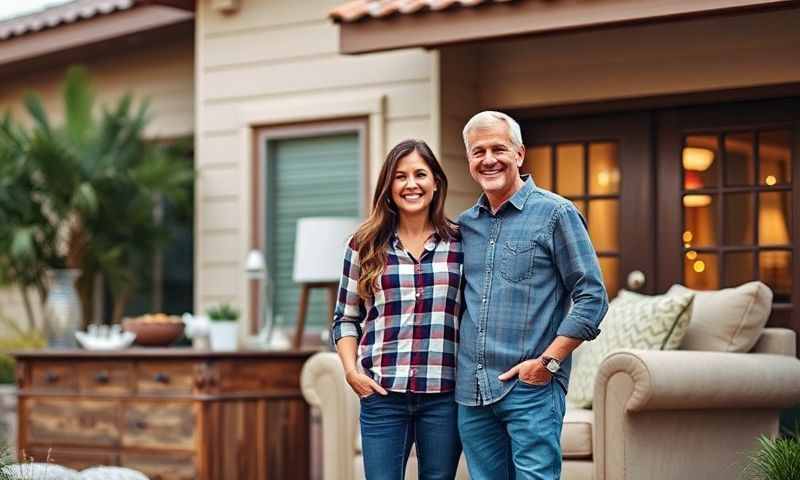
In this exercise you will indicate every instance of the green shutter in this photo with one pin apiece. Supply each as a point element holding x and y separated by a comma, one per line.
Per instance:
<point>306,177</point>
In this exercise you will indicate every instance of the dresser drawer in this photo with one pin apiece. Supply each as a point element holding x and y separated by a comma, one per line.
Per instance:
<point>53,377</point>
<point>74,458</point>
<point>51,421</point>
<point>160,425</point>
<point>107,378</point>
<point>164,378</point>
<point>165,466</point>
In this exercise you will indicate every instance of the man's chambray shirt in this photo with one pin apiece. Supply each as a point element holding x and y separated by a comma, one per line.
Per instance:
<point>531,274</point>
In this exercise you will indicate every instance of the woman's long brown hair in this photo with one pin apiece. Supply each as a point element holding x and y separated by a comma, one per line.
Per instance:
<point>373,236</point>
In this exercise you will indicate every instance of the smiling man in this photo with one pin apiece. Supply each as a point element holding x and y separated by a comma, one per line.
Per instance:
<point>533,293</point>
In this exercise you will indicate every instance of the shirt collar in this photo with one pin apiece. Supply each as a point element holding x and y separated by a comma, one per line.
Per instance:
<point>430,243</point>
<point>517,200</point>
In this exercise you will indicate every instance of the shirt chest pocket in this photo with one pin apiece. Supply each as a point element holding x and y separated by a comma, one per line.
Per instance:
<point>517,260</point>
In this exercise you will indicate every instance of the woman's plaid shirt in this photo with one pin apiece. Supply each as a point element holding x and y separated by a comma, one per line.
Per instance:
<point>408,331</point>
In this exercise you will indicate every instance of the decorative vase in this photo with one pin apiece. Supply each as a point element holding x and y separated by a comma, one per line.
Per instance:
<point>223,335</point>
<point>62,310</point>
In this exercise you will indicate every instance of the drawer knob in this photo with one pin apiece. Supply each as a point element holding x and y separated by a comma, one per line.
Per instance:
<point>161,377</point>
<point>51,377</point>
<point>140,424</point>
<point>102,377</point>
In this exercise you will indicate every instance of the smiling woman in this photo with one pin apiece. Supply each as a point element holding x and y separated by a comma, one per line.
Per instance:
<point>395,325</point>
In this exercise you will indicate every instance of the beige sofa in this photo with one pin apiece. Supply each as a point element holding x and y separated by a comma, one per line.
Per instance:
<point>657,414</point>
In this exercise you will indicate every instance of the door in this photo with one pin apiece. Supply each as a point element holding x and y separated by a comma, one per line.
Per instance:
<point>727,203</point>
<point>604,165</point>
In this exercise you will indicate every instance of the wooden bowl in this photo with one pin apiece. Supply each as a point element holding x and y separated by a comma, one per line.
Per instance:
<point>153,334</point>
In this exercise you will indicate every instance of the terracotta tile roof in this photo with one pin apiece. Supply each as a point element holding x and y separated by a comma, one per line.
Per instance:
<point>71,12</point>
<point>360,9</point>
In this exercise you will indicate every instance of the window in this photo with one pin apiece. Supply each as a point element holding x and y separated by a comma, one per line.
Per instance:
<point>737,215</point>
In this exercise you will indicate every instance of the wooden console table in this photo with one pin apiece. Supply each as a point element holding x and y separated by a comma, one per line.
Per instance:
<point>173,414</point>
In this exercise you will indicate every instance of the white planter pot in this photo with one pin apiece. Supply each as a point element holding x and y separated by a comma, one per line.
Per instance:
<point>224,335</point>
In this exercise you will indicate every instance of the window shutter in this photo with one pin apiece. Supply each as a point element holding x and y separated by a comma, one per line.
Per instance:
<point>306,177</point>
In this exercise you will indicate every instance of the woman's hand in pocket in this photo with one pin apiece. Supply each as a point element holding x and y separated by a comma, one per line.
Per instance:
<point>363,385</point>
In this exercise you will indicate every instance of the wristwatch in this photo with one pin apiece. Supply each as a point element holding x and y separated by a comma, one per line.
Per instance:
<point>551,364</point>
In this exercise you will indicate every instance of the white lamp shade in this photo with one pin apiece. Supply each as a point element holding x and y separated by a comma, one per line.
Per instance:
<point>319,248</point>
<point>254,265</point>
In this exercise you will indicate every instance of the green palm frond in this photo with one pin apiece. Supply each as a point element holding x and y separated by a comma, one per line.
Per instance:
<point>78,105</point>
<point>35,108</point>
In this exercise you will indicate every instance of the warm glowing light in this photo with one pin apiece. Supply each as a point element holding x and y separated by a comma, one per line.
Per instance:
<point>687,245</point>
<point>696,201</point>
<point>699,266</point>
<point>606,177</point>
<point>691,255</point>
<point>687,236</point>
<point>770,180</point>
<point>697,159</point>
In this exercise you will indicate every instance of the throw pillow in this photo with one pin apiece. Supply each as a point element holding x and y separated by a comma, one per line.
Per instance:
<point>633,321</point>
<point>728,320</point>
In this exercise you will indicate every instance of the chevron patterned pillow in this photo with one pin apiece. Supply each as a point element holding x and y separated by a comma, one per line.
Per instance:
<point>633,321</point>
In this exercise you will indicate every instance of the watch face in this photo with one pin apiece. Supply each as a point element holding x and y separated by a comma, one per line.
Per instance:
<point>552,366</point>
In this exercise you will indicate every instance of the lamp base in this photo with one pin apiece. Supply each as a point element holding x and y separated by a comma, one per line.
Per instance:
<point>305,291</point>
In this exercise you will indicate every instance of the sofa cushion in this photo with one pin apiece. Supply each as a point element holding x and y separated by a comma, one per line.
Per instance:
<point>576,436</point>
<point>728,320</point>
<point>633,321</point>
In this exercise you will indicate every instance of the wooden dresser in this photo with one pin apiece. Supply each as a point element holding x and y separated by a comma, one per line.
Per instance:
<point>173,414</point>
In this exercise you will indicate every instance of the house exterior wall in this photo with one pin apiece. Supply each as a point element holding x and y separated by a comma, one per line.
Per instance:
<point>637,61</point>
<point>275,63</point>
<point>609,64</point>
<point>165,76</point>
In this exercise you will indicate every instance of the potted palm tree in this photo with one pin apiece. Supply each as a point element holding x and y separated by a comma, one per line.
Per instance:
<point>94,181</point>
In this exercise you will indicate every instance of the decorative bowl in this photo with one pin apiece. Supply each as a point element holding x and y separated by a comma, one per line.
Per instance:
<point>157,330</point>
<point>115,341</point>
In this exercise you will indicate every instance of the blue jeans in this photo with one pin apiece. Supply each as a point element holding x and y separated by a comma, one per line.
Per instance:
<point>516,438</point>
<point>391,424</point>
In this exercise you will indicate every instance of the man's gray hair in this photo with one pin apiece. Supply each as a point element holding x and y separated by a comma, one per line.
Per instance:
<point>489,117</point>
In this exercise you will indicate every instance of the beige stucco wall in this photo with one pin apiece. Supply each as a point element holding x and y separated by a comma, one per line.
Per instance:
<point>164,75</point>
<point>277,62</point>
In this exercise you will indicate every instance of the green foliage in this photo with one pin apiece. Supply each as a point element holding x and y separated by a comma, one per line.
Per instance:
<point>223,313</point>
<point>20,340</point>
<point>776,459</point>
<point>84,192</point>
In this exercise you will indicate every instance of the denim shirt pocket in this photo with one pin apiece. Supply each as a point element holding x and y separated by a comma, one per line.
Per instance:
<point>517,260</point>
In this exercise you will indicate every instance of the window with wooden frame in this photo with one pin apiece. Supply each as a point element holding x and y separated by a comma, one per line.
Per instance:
<point>301,170</point>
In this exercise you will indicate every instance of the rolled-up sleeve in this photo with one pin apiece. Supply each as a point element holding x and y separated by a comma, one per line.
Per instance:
<point>577,264</point>
<point>349,310</point>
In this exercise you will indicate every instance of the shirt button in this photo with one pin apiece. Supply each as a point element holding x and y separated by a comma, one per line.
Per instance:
<point>413,372</point>
<point>480,366</point>
<point>484,300</point>
<point>416,294</point>
<point>491,242</point>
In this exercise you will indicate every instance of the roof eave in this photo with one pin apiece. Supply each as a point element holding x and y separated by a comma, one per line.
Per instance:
<point>23,49</point>
<point>463,25</point>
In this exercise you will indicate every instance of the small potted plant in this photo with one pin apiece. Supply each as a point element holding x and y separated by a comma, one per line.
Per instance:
<point>224,327</point>
<point>776,458</point>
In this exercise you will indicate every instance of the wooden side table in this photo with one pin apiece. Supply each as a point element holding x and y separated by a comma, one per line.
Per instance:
<point>174,414</point>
